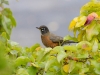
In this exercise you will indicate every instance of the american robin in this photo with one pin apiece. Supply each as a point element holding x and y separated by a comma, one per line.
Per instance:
<point>49,39</point>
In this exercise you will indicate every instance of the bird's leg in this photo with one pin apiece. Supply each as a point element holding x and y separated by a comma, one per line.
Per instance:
<point>59,43</point>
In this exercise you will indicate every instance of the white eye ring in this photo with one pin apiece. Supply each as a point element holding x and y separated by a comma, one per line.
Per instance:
<point>42,30</point>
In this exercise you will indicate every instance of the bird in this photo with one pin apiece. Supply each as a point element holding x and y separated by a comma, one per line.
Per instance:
<point>51,40</point>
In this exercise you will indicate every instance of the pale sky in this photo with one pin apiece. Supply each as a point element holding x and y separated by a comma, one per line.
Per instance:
<point>56,14</point>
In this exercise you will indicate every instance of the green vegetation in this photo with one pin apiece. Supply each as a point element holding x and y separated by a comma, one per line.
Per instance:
<point>82,58</point>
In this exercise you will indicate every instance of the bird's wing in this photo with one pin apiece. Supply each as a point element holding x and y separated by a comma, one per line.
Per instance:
<point>55,38</point>
<point>59,39</point>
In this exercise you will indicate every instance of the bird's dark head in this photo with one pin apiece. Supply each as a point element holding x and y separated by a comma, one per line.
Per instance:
<point>43,29</point>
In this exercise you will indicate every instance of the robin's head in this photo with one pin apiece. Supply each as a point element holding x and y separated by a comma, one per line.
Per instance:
<point>43,29</point>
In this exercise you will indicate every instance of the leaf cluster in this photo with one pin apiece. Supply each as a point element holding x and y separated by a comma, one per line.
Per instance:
<point>7,21</point>
<point>82,58</point>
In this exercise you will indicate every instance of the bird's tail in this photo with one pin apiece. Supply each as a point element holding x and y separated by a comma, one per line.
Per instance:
<point>68,42</point>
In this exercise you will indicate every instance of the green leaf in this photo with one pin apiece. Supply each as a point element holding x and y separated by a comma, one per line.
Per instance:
<point>90,7</point>
<point>83,55</point>
<point>12,43</point>
<point>92,30</point>
<point>34,46</point>
<point>3,62</point>
<point>72,66</point>
<point>4,35</point>
<point>97,70</point>
<point>79,65</point>
<point>22,71</point>
<point>47,50</point>
<point>73,23</point>
<point>84,70</point>
<point>61,55</point>
<point>22,60</point>
<point>57,49</point>
<point>99,46</point>
<point>34,65</point>
<point>96,66</point>
<point>42,54</point>
<point>6,2</point>
<point>81,35</point>
<point>95,45</point>
<point>95,0</point>
<point>39,54</point>
<point>81,21</point>
<point>50,61</point>
<point>68,37</point>
<point>12,20</point>
<point>8,13</point>
<point>94,63</point>
<point>2,38</point>
<point>32,70</point>
<point>6,23</point>
<point>84,45</point>
<point>72,48</point>
<point>13,52</point>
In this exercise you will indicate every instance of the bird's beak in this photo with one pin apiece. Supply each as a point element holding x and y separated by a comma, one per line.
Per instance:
<point>38,28</point>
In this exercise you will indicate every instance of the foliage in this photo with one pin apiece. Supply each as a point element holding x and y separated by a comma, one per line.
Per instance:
<point>82,58</point>
<point>7,21</point>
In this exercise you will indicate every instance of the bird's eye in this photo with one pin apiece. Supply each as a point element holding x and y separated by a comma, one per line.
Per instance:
<point>42,29</point>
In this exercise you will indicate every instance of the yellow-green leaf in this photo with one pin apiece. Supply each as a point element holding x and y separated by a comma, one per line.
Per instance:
<point>73,23</point>
<point>92,30</point>
<point>80,35</point>
<point>95,45</point>
<point>81,21</point>
<point>66,68</point>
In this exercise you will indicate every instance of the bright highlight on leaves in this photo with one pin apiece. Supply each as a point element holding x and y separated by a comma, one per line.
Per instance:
<point>73,23</point>
<point>81,21</point>
<point>77,22</point>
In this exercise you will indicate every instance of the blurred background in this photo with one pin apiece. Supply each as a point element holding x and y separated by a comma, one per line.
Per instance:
<point>29,14</point>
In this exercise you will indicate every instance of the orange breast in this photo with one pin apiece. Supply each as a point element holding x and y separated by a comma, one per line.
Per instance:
<point>47,42</point>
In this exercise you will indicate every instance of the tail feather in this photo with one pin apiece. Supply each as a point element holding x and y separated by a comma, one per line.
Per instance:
<point>68,42</point>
